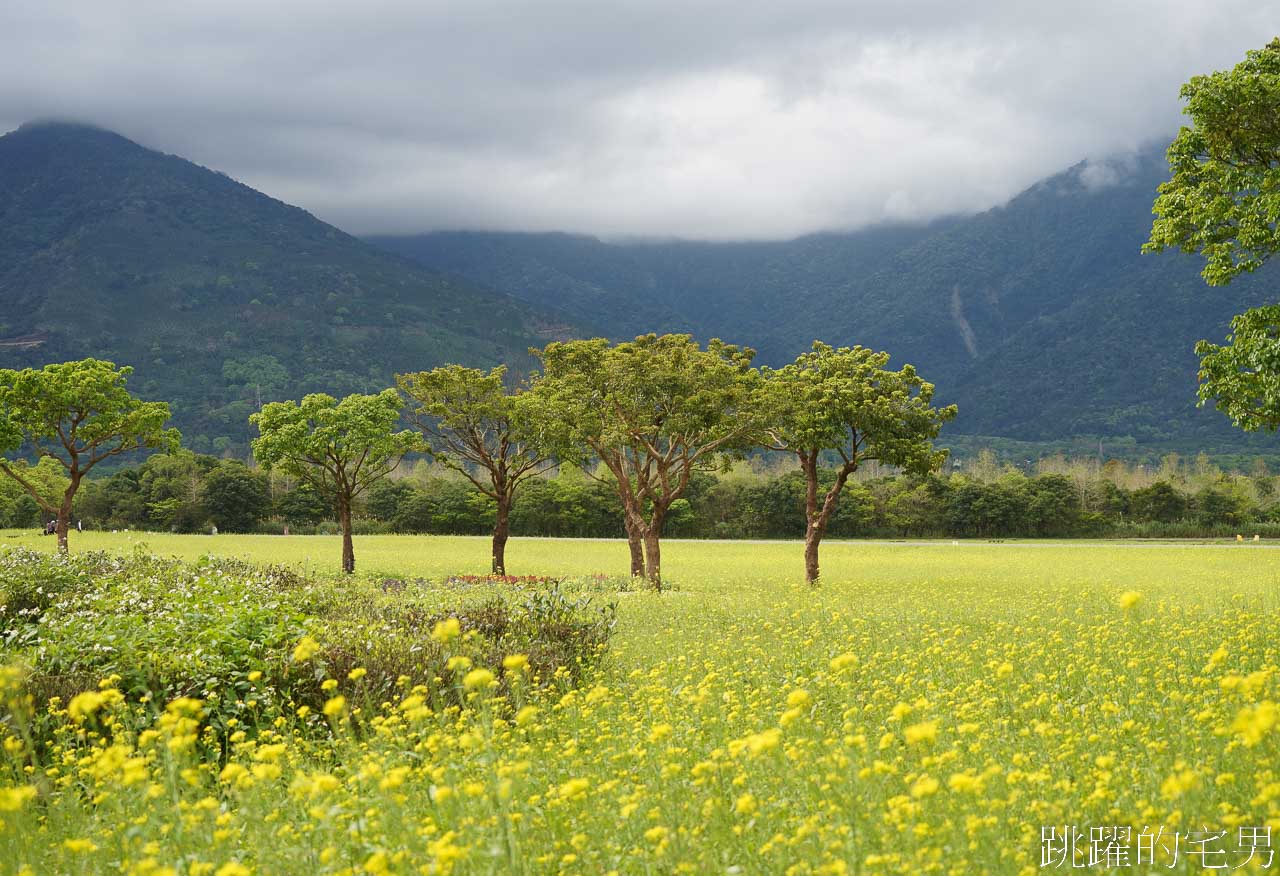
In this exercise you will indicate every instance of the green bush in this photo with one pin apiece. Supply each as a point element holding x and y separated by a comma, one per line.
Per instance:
<point>225,632</point>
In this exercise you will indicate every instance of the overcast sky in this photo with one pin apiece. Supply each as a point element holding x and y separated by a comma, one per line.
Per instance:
<point>718,120</point>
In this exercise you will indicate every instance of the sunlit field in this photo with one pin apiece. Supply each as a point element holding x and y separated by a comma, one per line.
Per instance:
<point>928,708</point>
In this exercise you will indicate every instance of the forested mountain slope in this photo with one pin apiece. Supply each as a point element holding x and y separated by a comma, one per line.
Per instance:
<point>219,295</point>
<point>1040,318</point>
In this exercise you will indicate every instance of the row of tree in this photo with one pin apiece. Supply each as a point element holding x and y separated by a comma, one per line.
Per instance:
<point>644,416</point>
<point>186,492</point>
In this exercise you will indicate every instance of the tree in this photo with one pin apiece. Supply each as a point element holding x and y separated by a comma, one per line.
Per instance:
<point>302,506</point>
<point>1161,502</point>
<point>235,498</point>
<point>1242,377</point>
<point>77,414</point>
<point>1223,201</point>
<point>169,485</point>
<point>339,448</point>
<point>17,508</point>
<point>653,411</point>
<point>474,426</point>
<point>843,402</point>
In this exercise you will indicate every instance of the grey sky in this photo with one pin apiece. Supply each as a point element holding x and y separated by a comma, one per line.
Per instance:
<point>656,117</point>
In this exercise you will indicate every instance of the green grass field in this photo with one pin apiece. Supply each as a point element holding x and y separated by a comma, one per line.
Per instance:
<point>929,708</point>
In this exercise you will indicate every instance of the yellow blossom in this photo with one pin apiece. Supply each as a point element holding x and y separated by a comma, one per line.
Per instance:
<point>307,648</point>
<point>445,630</point>
<point>477,679</point>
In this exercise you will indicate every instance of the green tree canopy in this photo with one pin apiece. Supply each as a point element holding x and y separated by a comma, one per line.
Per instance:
<point>1243,376</point>
<point>653,410</point>
<point>236,498</point>
<point>473,425</point>
<point>845,402</point>
<point>340,448</point>
<point>77,414</point>
<point>1223,199</point>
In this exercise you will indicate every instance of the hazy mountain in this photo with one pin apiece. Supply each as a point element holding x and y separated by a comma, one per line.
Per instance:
<point>1040,318</point>
<point>219,295</point>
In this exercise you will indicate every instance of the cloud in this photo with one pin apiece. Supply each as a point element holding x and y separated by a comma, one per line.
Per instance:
<point>645,117</point>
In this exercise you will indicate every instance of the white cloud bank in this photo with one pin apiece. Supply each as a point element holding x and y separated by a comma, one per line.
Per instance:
<point>713,120</point>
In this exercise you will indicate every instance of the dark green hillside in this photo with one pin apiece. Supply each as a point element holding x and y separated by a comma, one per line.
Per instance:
<point>218,294</point>
<point>1040,318</point>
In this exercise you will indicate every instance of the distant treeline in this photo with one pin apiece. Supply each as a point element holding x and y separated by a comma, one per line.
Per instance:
<point>187,492</point>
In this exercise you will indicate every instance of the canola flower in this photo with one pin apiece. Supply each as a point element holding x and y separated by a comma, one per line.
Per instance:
<point>923,716</point>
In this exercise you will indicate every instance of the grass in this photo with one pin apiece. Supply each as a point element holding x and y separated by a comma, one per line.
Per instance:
<point>928,709</point>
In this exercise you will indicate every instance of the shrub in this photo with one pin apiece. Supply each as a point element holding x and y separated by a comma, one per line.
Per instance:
<point>225,632</point>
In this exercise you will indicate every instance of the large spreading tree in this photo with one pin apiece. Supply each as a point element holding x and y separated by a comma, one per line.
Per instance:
<point>1223,201</point>
<point>652,411</point>
<point>340,448</point>
<point>845,404</point>
<point>77,414</point>
<point>473,425</point>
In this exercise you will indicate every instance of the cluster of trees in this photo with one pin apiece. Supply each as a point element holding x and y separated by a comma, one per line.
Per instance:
<point>644,417</point>
<point>756,498</point>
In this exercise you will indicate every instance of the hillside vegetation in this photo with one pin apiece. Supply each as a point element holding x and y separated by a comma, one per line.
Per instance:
<point>220,296</point>
<point>1040,318</point>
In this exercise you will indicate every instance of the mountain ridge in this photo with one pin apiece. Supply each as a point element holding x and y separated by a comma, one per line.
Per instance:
<point>1040,317</point>
<point>219,295</point>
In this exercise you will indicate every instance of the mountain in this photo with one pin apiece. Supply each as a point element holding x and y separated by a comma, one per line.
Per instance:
<point>220,296</point>
<point>1040,318</point>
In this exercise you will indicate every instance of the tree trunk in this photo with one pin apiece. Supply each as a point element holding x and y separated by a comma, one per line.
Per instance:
<point>812,538</point>
<point>636,544</point>
<point>501,530</point>
<point>817,516</point>
<point>653,558</point>
<point>64,524</point>
<point>812,532</point>
<point>64,514</point>
<point>348,549</point>
<point>652,531</point>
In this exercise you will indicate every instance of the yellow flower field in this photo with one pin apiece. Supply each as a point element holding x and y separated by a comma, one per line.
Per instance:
<point>930,708</point>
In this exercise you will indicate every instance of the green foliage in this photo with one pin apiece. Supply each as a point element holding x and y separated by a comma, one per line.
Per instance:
<point>471,422</point>
<point>1224,198</point>
<point>846,402</point>
<point>653,411</point>
<point>17,506</point>
<point>169,629</point>
<point>1242,377</point>
<point>981,498</point>
<point>473,426</point>
<point>302,506</point>
<point>77,414</point>
<point>1159,502</point>
<point>339,448</point>
<point>653,396</point>
<point>1223,201</point>
<point>236,498</point>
